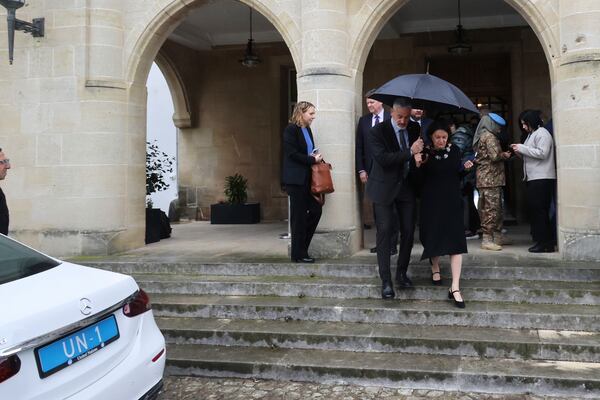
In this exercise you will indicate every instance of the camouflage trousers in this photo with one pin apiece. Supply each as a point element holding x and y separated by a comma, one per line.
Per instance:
<point>490,209</point>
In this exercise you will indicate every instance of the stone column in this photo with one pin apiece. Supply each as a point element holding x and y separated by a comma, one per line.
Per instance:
<point>74,189</point>
<point>576,99</point>
<point>325,80</point>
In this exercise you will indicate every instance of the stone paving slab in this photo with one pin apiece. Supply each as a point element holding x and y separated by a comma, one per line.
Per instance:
<point>530,270</point>
<point>201,241</point>
<point>469,341</point>
<point>389,370</point>
<point>318,280</point>
<point>340,329</point>
<point>374,330</point>
<point>193,388</point>
<point>550,292</point>
<point>484,314</point>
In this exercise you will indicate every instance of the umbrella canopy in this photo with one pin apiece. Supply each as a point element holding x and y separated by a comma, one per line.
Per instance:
<point>425,91</point>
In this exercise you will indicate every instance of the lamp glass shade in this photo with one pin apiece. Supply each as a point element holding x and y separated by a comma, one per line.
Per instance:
<point>250,58</point>
<point>12,4</point>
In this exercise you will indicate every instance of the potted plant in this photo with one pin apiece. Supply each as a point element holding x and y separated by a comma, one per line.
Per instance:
<point>158,164</point>
<point>235,210</point>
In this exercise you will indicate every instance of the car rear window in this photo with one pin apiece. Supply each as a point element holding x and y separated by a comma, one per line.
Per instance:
<point>18,261</point>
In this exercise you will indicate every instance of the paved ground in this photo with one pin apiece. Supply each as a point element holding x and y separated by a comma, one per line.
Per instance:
<point>201,241</point>
<point>186,388</point>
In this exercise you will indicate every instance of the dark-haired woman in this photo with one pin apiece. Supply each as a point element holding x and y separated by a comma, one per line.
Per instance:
<point>299,153</point>
<point>441,228</point>
<point>539,172</point>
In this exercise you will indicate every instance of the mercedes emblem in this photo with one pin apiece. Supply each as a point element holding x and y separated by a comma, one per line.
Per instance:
<point>85,306</point>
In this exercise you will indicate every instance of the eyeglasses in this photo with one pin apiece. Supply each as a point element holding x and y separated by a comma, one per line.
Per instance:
<point>5,161</point>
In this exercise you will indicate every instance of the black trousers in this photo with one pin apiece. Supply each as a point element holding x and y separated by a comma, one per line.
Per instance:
<point>395,227</point>
<point>404,209</point>
<point>473,223</point>
<point>305,213</point>
<point>539,196</point>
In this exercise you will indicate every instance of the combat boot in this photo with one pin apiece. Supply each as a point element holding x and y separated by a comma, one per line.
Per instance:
<point>488,243</point>
<point>501,239</point>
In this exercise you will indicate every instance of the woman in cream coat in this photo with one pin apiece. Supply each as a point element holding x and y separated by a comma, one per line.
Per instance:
<point>540,173</point>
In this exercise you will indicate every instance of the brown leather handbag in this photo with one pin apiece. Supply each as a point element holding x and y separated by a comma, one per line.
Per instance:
<point>321,182</point>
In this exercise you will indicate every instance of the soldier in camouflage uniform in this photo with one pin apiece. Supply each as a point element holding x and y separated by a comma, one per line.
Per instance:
<point>490,179</point>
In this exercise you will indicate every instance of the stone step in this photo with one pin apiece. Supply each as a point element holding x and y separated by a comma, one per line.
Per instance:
<point>487,269</point>
<point>386,338</point>
<point>547,292</point>
<point>408,312</point>
<point>467,374</point>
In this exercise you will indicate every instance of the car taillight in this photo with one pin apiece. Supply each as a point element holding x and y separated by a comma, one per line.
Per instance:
<point>138,305</point>
<point>9,367</point>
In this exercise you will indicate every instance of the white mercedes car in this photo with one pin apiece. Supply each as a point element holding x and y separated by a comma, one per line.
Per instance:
<point>73,332</point>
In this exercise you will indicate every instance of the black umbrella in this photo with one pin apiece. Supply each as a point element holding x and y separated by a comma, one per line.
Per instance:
<point>426,92</point>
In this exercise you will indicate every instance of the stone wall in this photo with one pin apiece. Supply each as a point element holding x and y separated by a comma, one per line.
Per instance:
<point>73,109</point>
<point>236,125</point>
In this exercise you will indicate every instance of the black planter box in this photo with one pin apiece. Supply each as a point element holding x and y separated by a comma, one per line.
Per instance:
<point>152,225</point>
<point>157,225</point>
<point>223,213</point>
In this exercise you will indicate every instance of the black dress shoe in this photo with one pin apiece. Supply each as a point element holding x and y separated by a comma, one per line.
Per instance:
<point>305,260</point>
<point>534,247</point>
<point>404,282</point>
<point>541,248</point>
<point>439,281</point>
<point>373,250</point>
<point>387,292</point>
<point>459,304</point>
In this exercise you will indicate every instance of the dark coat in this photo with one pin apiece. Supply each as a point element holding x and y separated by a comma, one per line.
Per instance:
<point>424,125</point>
<point>296,163</point>
<point>363,156</point>
<point>387,174</point>
<point>3,214</point>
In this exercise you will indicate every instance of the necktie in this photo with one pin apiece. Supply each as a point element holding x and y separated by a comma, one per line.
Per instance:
<point>402,138</point>
<point>376,121</point>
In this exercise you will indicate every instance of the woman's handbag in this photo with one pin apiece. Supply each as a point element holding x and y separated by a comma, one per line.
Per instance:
<point>321,182</point>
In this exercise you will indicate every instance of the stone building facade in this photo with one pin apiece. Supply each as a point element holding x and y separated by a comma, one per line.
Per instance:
<point>74,110</point>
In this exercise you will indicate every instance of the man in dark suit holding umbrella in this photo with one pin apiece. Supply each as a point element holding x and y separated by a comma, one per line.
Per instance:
<point>389,186</point>
<point>364,158</point>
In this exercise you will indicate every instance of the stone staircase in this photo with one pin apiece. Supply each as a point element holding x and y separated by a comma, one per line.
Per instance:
<point>530,326</point>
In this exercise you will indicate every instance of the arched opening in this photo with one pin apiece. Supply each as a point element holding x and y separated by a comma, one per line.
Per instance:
<point>507,68</point>
<point>229,117</point>
<point>162,133</point>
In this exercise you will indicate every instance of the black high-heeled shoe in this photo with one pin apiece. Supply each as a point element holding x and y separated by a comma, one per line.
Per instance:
<point>459,304</point>
<point>438,282</point>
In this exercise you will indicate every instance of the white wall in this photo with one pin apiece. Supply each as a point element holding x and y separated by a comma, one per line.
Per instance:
<point>160,127</point>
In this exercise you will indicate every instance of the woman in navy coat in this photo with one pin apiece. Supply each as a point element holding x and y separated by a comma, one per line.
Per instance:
<point>299,153</point>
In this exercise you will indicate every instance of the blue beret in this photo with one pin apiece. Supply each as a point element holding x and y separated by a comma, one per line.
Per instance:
<point>497,119</point>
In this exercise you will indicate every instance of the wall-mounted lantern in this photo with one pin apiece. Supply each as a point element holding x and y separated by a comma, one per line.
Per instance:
<point>36,28</point>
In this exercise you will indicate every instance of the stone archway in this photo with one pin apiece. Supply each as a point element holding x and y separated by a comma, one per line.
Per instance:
<point>200,189</point>
<point>518,92</point>
<point>182,117</point>
<point>367,25</point>
<point>147,39</point>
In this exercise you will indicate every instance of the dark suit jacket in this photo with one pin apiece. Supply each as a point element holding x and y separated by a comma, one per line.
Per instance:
<point>3,214</point>
<point>363,157</point>
<point>387,174</point>
<point>425,122</point>
<point>296,163</point>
